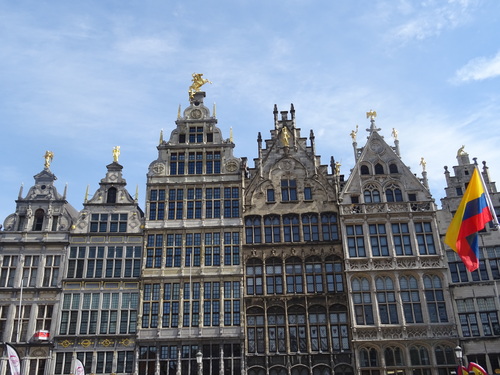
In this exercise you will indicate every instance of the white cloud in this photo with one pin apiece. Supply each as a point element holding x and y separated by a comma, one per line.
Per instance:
<point>479,69</point>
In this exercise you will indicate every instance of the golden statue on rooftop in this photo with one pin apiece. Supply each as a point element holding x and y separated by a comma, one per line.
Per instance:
<point>116,154</point>
<point>49,155</point>
<point>198,81</point>
<point>461,151</point>
<point>285,136</point>
<point>371,114</point>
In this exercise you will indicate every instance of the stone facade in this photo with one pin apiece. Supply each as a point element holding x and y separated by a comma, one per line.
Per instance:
<point>280,268</point>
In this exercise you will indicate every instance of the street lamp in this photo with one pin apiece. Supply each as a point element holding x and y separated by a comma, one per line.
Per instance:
<point>460,355</point>
<point>199,360</point>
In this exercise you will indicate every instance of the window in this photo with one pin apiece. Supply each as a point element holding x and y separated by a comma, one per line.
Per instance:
<point>232,305</point>
<point>425,238</point>
<point>272,229</point>
<point>157,204</point>
<point>288,190</point>
<point>274,276</point>
<point>310,227</point>
<point>193,203</point>
<point>171,297</point>
<point>212,249</point>
<point>254,277</point>
<point>371,194</point>
<point>30,270</point>
<point>231,248</point>
<point>111,198</point>
<point>150,306</point>
<point>213,162</point>
<point>255,330</point>
<point>270,195</point>
<point>362,301</point>
<point>191,308</point>
<point>445,359</point>
<point>308,193</point>
<point>76,262</point>
<point>339,328</point>
<point>211,304</point>
<point>291,228</point>
<point>468,318</point>
<point>364,170</point>
<point>410,296</point>
<point>175,204</point>
<point>334,279</point>
<point>195,163</point>
<point>419,357</point>
<point>494,261</point>
<point>51,270</point>
<point>489,316</point>
<point>253,229</point>
<point>386,300</point>
<point>231,202</point>
<point>154,250</point>
<point>329,227</point>
<point>297,329</point>
<point>276,330</point>
<point>294,275</point>
<point>394,360</point>
<point>196,134</point>
<point>314,275</point>
<point>393,193</point>
<point>212,203</point>
<point>401,239</point>
<point>369,361</point>
<point>355,241</point>
<point>38,220</point>
<point>378,240</point>
<point>108,223</point>
<point>393,168</point>
<point>379,169</point>
<point>434,295</point>
<point>177,163</point>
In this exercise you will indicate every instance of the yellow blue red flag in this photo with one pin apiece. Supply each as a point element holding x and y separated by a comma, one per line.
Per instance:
<point>472,215</point>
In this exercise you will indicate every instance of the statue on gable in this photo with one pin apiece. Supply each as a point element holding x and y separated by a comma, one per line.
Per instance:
<point>198,81</point>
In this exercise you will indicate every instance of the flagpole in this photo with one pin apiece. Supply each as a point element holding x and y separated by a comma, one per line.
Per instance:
<point>487,195</point>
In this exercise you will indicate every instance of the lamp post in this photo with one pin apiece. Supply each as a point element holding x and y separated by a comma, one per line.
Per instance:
<point>460,356</point>
<point>199,360</point>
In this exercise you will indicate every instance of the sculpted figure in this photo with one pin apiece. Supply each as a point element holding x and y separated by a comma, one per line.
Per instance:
<point>198,81</point>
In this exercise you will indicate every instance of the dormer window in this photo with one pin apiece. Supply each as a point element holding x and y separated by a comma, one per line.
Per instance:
<point>365,170</point>
<point>111,195</point>
<point>38,220</point>
<point>393,168</point>
<point>379,169</point>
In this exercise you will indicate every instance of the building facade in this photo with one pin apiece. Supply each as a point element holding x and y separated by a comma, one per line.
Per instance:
<point>475,295</point>
<point>280,268</point>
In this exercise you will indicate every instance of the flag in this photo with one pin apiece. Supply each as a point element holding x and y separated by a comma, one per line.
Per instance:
<point>14,363</point>
<point>473,368</point>
<point>79,368</point>
<point>472,215</point>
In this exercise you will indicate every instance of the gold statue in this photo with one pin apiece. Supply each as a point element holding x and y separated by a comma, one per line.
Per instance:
<point>285,136</point>
<point>423,163</point>
<point>371,114</point>
<point>337,167</point>
<point>49,155</point>
<point>461,151</point>
<point>354,133</point>
<point>116,154</point>
<point>395,134</point>
<point>197,83</point>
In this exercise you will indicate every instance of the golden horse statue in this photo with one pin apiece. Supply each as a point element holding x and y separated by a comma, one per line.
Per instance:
<point>198,81</point>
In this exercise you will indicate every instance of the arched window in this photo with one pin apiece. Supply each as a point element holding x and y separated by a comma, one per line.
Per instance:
<point>253,229</point>
<point>300,370</point>
<point>368,358</point>
<point>364,170</point>
<point>278,370</point>
<point>362,298</point>
<point>314,275</point>
<point>344,370</point>
<point>111,195</point>
<point>294,275</point>
<point>379,169</point>
<point>276,329</point>
<point>297,329</point>
<point>371,194</point>
<point>310,227</point>
<point>434,294</point>
<point>272,229</point>
<point>322,370</point>
<point>255,330</point>
<point>393,168</point>
<point>445,359</point>
<point>339,328</point>
<point>386,298</point>
<point>254,277</point>
<point>410,294</point>
<point>394,358</point>
<point>393,193</point>
<point>291,228</point>
<point>419,357</point>
<point>38,219</point>
<point>274,276</point>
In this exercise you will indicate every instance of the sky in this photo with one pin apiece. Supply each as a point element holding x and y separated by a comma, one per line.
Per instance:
<point>81,77</point>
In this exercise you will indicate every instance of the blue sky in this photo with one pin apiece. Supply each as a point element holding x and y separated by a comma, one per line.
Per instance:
<point>80,77</point>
